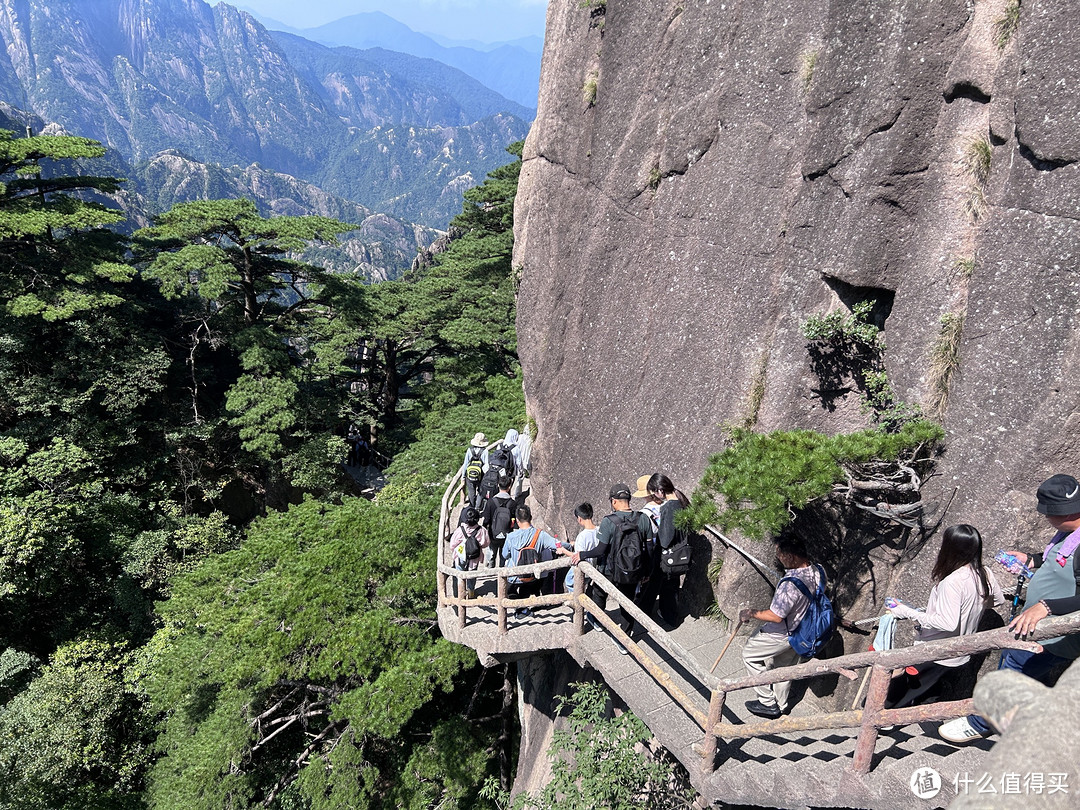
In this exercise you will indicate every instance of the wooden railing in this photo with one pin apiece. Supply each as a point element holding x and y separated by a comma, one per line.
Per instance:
<point>881,663</point>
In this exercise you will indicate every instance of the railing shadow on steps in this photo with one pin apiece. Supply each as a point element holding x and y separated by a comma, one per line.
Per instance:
<point>881,663</point>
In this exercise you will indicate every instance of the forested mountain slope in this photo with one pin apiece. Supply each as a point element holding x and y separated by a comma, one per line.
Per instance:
<point>197,609</point>
<point>379,247</point>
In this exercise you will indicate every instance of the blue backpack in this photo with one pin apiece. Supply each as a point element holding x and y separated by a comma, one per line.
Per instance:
<point>817,626</point>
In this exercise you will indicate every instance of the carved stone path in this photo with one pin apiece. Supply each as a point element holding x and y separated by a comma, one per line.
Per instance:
<point>800,770</point>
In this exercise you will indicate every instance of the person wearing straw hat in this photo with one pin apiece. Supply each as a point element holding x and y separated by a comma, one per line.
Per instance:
<point>473,468</point>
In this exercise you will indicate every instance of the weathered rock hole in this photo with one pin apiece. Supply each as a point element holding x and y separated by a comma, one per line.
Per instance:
<point>851,294</point>
<point>1042,164</point>
<point>968,91</point>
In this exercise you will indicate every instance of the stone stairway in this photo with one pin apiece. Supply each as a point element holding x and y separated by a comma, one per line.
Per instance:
<point>796,770</point>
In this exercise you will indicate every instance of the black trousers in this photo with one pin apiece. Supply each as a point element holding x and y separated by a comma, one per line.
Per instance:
<point>626,621</point>
<point>916,690</point>
<point>668,604</point>
<point>523,590</point>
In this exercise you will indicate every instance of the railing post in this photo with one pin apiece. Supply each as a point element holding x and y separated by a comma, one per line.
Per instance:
<point>868,733</point>
<point>708,746</point>
<point>502,603</point>
<point>462,592</point>
<point>579,608</point>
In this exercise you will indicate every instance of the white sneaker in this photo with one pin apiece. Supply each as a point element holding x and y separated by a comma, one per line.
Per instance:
<point>960,731</point>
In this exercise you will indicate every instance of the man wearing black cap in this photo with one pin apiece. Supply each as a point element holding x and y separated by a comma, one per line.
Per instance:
<point>622,525</point>
<point>1052,591</point>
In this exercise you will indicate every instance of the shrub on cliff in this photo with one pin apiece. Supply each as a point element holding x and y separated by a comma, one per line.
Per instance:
<point>600,760</point>
<point>756,485</point>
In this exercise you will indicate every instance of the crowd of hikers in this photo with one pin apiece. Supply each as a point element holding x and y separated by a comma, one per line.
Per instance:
<point>645,553</point>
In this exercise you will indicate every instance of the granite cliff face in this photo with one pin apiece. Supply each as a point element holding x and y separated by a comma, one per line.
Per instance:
<point>701,177</point>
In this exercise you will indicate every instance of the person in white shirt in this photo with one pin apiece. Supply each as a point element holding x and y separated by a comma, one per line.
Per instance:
<point>585,540</point>
<point>963,589</point>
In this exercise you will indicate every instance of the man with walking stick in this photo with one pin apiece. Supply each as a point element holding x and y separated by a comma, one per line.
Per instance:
<point>769,646</point>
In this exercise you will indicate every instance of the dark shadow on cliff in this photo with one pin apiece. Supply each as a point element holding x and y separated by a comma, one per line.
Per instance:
<point>843,539</point>
<point>696,593</point>
<point>841,362</point>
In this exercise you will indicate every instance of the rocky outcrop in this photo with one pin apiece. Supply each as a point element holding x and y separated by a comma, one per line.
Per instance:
<point>380,247</point>
<point>701,177</point>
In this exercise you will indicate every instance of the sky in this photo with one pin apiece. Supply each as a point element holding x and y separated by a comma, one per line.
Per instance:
<point>484,20</point>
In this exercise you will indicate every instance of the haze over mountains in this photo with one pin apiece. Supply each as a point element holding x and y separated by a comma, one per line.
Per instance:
<point>368,131</point>
<point>510,68</point>
<point>458,20</point>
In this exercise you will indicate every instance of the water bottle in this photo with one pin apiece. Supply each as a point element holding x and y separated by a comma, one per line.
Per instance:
<point>1013,565</point>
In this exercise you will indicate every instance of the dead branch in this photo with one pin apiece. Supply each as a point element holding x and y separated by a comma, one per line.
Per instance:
<point>275,707</point>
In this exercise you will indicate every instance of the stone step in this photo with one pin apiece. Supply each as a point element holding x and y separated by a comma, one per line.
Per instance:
<point>799,770</point>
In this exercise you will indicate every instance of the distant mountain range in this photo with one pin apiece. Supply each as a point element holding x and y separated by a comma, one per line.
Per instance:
<point>396,134</point>
<point>512,69</point>
<point>459,22</point>
<point>381,247</point>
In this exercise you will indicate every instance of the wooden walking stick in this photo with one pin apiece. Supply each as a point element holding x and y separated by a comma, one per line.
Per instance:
<point>862,687</point>
<point>734,633</point>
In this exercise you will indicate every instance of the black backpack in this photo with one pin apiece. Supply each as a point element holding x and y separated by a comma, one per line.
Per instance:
<point>626,550</point>
<point>529,555</point>
<point>501,459</point>
<point>490,483</point>
<point>502,518</point>
<point>474,470</point>
<point>472,544</point>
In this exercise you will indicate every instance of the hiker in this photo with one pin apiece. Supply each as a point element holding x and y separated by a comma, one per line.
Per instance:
<point>963,589</point>
<point>585,540</point>
<point>500,510</point>
<point>620,540</point>
<point>768,647</point>
<point>350,440</point>
<point>1051,591</point>
<point>501,462</point>
<point>523,460</point>
<point>672,548</point>
<point>650,581</point>
<point>468,543</point>
<point>473,468</point>
<point>524,546</point>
